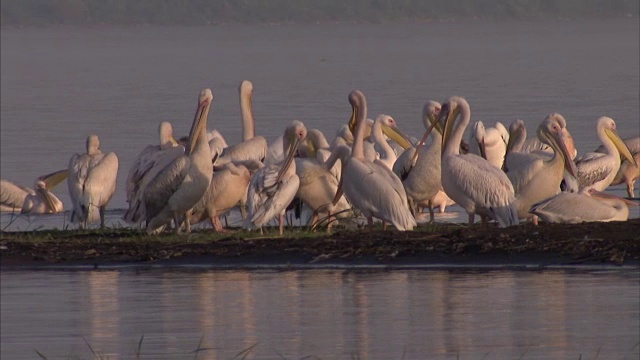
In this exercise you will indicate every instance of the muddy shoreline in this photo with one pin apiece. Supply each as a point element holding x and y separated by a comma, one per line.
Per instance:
<point>430,246</point>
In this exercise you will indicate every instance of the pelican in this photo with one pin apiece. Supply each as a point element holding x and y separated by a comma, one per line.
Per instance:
<point>92,182</point>
<point>143,164</point>
<point>177,187</point>
<point>539,177</point>
<point>471,181</point>
<point>584,206</point>
<point>39,200</point>
<point>419,167</point>
<point>490,143</point>
<point>252,147</point>
<point>319,183</point>
<point>372,187</point>
<point>386,125</point>
<point>517,138</point>
<point>274,186</point>
<point>597,170</point>
<point>629,172</point>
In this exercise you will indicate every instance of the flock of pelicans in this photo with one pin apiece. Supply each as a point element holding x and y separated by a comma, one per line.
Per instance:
<point>370,168</point>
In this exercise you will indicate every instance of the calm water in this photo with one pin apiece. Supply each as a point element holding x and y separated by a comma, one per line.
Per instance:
<point>61,84</point>
<point>325,313</point>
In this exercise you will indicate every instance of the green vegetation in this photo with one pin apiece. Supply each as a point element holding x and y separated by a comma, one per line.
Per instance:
<point>207,12</point>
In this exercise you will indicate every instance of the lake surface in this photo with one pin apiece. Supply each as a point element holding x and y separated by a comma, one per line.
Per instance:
<point>328,314</point>
<point>61,84</point>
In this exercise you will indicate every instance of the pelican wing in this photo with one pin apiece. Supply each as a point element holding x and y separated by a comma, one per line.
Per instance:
<point>277,201</point>
<point>77,171</point>
<point>594,167</point>
<point>252,149</point>
<point>101,179</point>
<point>403,165</point>
<point>573,208</point>
<point>141,165</point>
<point>490,185</point>
<point>164,184</point>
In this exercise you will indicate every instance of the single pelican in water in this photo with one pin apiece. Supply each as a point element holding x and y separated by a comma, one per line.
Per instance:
<point>148,158</point>
<point>39,200</point>
<point>252,147</point>
<point>419,167</point>
<point>177,187</point>
<point>598,169</point>
<point>471,181</point>
<point>537,177</point>
<point>585,206</point>
<point>629,172</point>
<point>274,186</point>
<point>371,186</point>
<point>92,183</point>
<point>489,143</point>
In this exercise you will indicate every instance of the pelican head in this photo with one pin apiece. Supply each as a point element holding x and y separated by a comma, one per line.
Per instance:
<point>552,132</point>
<point>294,134</point>
<point>93,144</point>
<point>358,106</point>
<point>166,135</point>
<point>609,128</point>
<point>517,135</point>
<point>390,128</point>
<point>199,125</point>
<point>430,112</point>
<point>448,113</point>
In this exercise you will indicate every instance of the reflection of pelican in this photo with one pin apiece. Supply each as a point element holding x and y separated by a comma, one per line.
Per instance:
<point>371,187</point>
<point>587,205</point>
<point>252,147</point>
<point>471,181</point>
<point>179,185</point>
<point>92,182</point>
<point>39,200</point>
<point>142,165</point>
<point>490,143</point>
<point>274,186</point>
<point>419,167</point>
<point>629,172</point>
<point>597,170</point>
<point>539,177</point>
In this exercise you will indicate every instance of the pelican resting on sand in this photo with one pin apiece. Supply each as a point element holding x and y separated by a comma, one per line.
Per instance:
<point>469,180</point>
<point>92,183</point>
<point>584,206</point>
<point>39,200</point>
<point>274,186</point>
<point>178,186</point>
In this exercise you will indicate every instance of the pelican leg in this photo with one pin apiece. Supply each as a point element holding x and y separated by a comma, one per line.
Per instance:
<point>217,224</point>
<point>243,211</point>
<point>534,220</point>
<point>281,221</point>
<point>314,219</point>
<point>329,221</point>
<point>630,190</point>
<point>102,211</point>
<point>471,218</point>
<point>176,220</point>
<point>384,225</point>
<point>432,217</point>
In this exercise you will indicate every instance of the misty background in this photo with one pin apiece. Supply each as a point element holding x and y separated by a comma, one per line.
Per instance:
<point>211,12</point>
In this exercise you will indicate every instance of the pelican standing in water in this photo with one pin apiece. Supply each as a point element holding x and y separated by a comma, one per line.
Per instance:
<point>148,158</point>
<point>371,186</point>
<point>490,143</point>
<point>537,177</point>
<point>597,170</point>
<point>39,200</point>
<point>252,147</point>
<point>585,206</point>
<point>180,185</point>
<point>274,186</point>
<point>92,182</point>
<point>471,181</point>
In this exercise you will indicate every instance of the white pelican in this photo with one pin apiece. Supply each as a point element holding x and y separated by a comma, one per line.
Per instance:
<point>274,186</point>
<point>471,181</point>
<point>597,170</point>
<point>92,182</point>
<point>252,147</point>
<point>386,125</point>
<point>144,162</point>
<point>537,177</point>
<point>39,200</point>
<point>177,187</point>
<point>517,138</point>
<point>319,183</point>
<point>584,206</point>
<point>371,187</point>
<point>489,143</point>
<point>419,167</point>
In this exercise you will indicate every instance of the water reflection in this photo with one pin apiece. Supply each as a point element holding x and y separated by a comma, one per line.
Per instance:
<point>328,314</point>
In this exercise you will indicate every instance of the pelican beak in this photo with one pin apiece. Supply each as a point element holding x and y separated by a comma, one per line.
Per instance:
<point>339,191</point>
<point>200,120</point>
<point>620,145</point>
<point>53,179</point>
<point>353,120</point>
<point>569,165</point>
<point>604,195</point>
<point>449,117</point>
<point>173,141</point>
<point>398,136</point>
<point>483,148</point>
<point>290,155</point>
